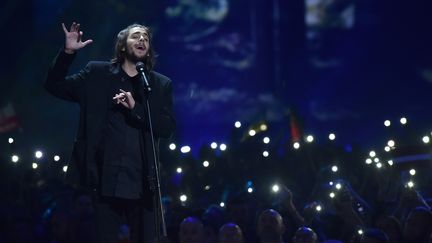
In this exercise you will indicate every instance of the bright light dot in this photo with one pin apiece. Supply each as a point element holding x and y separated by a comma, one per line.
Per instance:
<point>376,160</point>
<point>237,124</point>
<point>263,127</point>
<point>387,148</point>
<point>368,161</point>
<point>38,154</point>
<point>391,143</point>
<point>222,204</point>
<point>10,140</point>
<point>34,165</point>
<point>410,184</point>
<point>372,153</point>
<point>179,170</point>
<point>65,168</point>
<point>185,149</point>
<point>266,140</point>
<point>250,189</point>
<point>426,139</point>
<point>318,208</point>
<point>334,168</point>
<point>222,147</point>
<point>275,188</point>
<point>56,158</point>
<point>378,165</point>
<point>252,132</point>
<point>309,139</point>
<point>207,188</point>
<point>332,136</point>
<point>183,198</point>
<point>360,232</point>
<point>296,145</point>
<point>206,163</point>
<point>390,162</point>
<point>412,172</point>
<point>387,123</point>
<point>214,145</point>
<point>338,186</point>
<point>331,183</point>
<point>172,146</point>
<point>332,194</point>
<point>403,121</point>
<point>15,158</point>
<point>266,154</point>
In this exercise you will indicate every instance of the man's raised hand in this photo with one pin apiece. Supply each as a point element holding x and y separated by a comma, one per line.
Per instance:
<point>73,41</point>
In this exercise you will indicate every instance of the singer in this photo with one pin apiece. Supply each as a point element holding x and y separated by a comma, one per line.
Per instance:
<point>112,150</point>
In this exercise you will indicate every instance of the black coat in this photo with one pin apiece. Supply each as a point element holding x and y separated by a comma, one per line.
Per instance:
<point>90,88</point>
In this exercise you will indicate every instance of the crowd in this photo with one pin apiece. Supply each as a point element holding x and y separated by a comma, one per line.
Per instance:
<point>321,192</point>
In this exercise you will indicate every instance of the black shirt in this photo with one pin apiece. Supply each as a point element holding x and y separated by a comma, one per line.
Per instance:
<point>122,145</point>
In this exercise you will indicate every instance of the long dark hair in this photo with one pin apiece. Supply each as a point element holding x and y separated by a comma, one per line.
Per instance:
<point>120,47</point>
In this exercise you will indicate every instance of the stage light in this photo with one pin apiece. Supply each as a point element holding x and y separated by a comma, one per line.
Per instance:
<point>179,170</point>
<point>275,188</point>
<point>222,147</point>
<point>372,154</point>
<point>34,165</point>
<point>387,149</point>
<point>332,136</point>
<point>237,124</point>
<point>318,208</point>
<point>332,194</point>
<point>172,146</point>
<point>10,140</point>
<point>265,154</point>
<point>379,165</point>
<point>360,232</point>
<point>309,138</point>
<point>390,162</point>
<point>252,132</point>
<point>368,161</point>
<point>183,198</point>
<point>214,145</point>
<point>266,140</point>
<point>391,143</point>
<point>403,121</point>
<point>331,183</point>
<point>410,184</point>
<point>263,127</point>
<point>185,149</point>
<point>338,186</point>
<point>65,168</point>
<point>38,154</point>
<point>15,158</point>
<point>334,168</point>
<point>426,139</point>
<point>376,160</point>
<point>296,145</point>
<point>412,172</point>
<point>206,163</point>
<point>250,189</point>
<point>387,123</point>
<point>207,188</point>
<point>56,158</point>
<point>222,204</point>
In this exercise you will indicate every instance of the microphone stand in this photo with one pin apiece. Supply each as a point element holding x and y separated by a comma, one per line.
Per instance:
<point>153,177</point>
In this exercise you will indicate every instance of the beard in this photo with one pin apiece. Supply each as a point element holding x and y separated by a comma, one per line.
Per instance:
<point>130,55</point>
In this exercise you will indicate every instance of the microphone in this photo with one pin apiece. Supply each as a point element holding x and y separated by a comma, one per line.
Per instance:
<point>140,67</point>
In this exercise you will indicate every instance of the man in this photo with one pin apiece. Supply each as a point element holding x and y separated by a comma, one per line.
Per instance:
<point>305,235</point>
<point>191,231</point>
<point>230,233</point>
<point>270,227</point>
<point>112,156</point>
